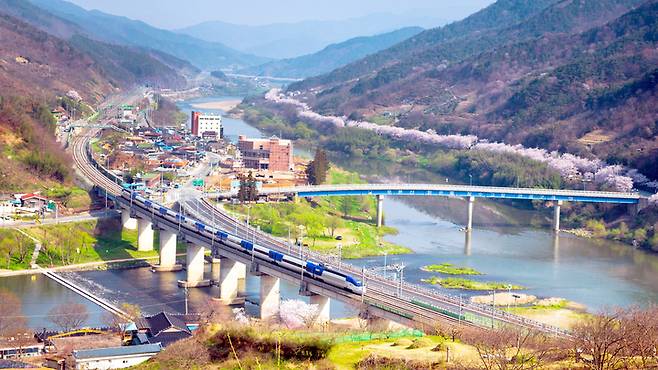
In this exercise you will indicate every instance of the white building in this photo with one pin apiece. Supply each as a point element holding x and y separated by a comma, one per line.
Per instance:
<point>115,357</point>
<point>206,125</point>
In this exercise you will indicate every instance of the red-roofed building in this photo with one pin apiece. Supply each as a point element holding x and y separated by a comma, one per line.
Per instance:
<point>33,201</point>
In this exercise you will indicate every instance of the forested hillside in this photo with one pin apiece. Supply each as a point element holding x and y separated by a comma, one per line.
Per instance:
<point>571,75</point>
<point>333,56</point>
<point>124,31</point>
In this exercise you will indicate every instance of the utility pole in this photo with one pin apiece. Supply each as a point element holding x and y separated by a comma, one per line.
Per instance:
<point>186,291</point>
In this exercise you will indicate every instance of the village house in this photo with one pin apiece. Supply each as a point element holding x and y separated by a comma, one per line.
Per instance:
<point>114,357</point>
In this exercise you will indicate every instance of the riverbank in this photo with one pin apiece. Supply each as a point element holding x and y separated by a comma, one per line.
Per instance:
<point>481,167</point>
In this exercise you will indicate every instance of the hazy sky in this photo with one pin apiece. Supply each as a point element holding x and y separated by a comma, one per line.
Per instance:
<point>181,13</point>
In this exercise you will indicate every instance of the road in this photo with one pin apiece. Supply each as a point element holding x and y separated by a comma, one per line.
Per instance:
<point>87,216</point>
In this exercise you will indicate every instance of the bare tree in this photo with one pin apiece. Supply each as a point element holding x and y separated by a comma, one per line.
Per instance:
<point>12,320</point>
<point>69,316</point>
<point>600,341</point>
<point>214,312</point>
<point>333,223</point>
<point>508,348</point>
<point>134,311</point>
<point>111,320</point>
<point>641,329</point>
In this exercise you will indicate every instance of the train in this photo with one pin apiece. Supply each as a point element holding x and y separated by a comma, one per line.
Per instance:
<point>311,269</point>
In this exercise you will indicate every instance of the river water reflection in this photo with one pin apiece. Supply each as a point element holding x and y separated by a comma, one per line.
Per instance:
<point>506,246</point>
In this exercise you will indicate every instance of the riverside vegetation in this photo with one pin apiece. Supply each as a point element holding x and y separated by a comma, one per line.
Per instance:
<point>493,169</point>
<point>323,219</point>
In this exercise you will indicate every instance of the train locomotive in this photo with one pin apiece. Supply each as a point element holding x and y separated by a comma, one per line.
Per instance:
<point>314,270</point>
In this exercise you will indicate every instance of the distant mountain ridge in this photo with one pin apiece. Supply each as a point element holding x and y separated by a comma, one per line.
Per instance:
<point>572,75</point>
<point>60,57</point>
<point>125,31</point>
<point>331,57</point>
<point>290,40</point>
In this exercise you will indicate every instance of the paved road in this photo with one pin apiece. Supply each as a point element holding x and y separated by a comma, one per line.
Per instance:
<point>86,216</point>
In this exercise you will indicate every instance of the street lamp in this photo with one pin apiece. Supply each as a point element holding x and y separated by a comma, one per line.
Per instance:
<point>340,253</point>
<point>471,178</point>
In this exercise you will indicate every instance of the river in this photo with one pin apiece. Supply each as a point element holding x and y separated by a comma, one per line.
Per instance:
<point>506,245</point>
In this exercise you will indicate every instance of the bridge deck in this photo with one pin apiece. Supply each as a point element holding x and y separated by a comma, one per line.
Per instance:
<point>450,191</point>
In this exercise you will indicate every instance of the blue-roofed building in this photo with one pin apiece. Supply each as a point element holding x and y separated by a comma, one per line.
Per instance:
<point>114,357</point>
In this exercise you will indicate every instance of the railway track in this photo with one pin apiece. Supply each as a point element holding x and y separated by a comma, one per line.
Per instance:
<point>381,291</point>
<point>379,288</point>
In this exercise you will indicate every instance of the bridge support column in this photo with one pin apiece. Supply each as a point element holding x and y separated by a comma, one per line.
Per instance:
<point>229,274</point>
<point>242,278</point>
<point>195,259</point>
<point>215,270</point>
<point>128,222</point>
<point>167,252</point>
<point>556,216</point>
<point>323,308</point>
<point>270,297</point>
<point>469,221</point>
<point>380,210</point>
<point>144,234</point>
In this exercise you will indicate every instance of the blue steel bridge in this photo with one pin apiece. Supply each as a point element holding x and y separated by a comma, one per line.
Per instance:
<point>470,193</point>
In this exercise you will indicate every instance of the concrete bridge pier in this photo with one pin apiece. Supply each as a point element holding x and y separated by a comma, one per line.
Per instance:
<point>229,287</point>
<point>556,216</point>
<point>468,242</point>
<point>128,222</point>
<point>380,210</point>
<point>270,297</point>
<point>167,252</point>
<point>242,279</point>
<point>469,221</point>
<point>324,311</point>
<point>215,269</point>
<point>144,234</point>
<point>195,260</point>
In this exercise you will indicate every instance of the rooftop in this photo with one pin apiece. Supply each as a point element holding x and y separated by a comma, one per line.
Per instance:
<point>117,351</point>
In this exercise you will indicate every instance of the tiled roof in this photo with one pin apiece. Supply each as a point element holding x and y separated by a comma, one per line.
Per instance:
<point>117,351</point>
<point>30,196</point>
<point>10,364</point>
<point>163,321</point>
<point>168,338</point>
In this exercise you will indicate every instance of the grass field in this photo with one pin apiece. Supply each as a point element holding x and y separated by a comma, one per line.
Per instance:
<point>467,284</point>
<point>324,219</point>
<point>450,269</point>
<point>89,241</point>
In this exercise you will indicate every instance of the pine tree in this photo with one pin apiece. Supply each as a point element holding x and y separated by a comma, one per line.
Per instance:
<point>317,169</point>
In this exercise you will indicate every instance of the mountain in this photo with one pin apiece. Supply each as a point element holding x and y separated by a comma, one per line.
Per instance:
<point>42,59</point>
<point>332,57</point>
<point>120,65</point>
<point>290,40</point>
<point>569,75</point>
<point>124,31</point>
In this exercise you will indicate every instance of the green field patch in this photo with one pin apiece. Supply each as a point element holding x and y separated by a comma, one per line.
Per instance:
<point>450,269</point>
<point>88,241</point>
<point>467,284</point>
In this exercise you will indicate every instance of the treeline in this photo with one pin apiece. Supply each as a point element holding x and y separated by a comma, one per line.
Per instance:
<point>486,168</point>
